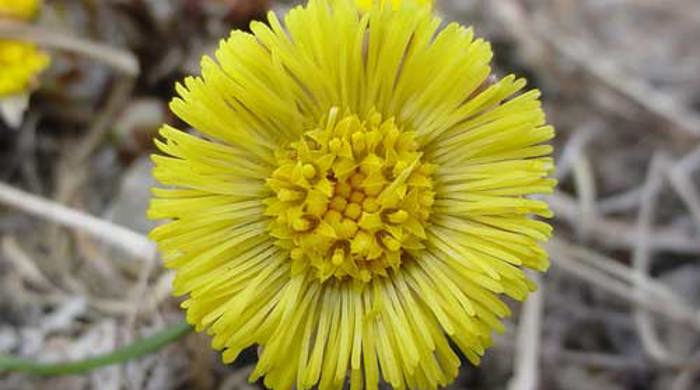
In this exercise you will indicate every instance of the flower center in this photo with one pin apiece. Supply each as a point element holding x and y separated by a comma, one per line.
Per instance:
<point>352,199</point>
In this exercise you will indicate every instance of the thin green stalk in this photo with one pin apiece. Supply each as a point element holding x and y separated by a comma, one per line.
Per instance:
<point>134,350</point>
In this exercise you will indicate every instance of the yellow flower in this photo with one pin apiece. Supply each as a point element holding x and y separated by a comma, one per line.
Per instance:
<point>19,9</point>
<point>20,62</point>
<point>355,198</point>
<point>367,4</point>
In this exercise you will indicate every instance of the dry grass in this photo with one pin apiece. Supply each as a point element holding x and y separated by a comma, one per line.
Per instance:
<point>619,308</point>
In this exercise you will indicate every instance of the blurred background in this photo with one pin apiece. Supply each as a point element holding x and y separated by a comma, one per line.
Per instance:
<point>620,80</point>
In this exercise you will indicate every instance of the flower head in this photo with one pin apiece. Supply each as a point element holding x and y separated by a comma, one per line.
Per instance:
<point>367,4</point>
<point>20,62</point>
<point>356,199</point>
<point>19,9</point>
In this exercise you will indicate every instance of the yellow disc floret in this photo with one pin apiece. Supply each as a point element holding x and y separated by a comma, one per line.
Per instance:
<point>20,63</point>
<point>352,197</point>
<point>19,9</point>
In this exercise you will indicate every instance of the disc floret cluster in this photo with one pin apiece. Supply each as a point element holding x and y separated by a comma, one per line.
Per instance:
<point>351,198</point>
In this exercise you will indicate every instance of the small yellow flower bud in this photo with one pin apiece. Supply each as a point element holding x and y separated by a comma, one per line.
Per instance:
<point>309,171</point>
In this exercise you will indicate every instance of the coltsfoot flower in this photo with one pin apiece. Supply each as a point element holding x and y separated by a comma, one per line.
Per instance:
<point>355,200</point>
<point>21,62</point>
<point>19,9</point>
<point>367,4</point>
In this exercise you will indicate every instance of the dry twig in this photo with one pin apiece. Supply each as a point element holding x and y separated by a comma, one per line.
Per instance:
<point>526,371</point>
<point>133,243</point>
<point>679,175</point>
<point>120,60</point>
<point>617,279</point>
<point>641,261</point>
<point>586,191</point>
<point>619,234</point>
